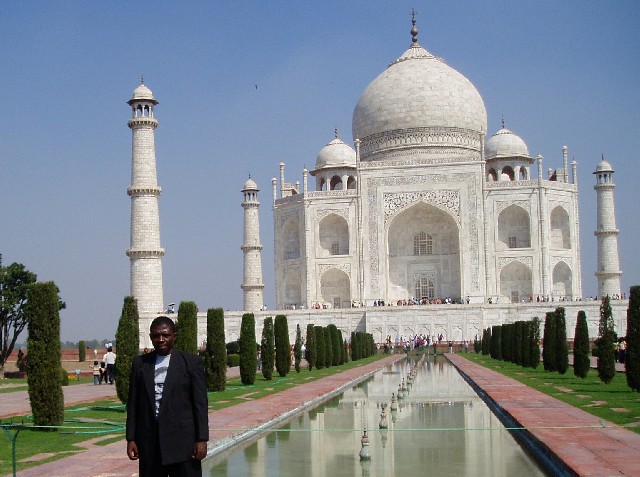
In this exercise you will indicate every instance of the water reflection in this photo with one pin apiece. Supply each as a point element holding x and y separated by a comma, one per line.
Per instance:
<point>441,427</point>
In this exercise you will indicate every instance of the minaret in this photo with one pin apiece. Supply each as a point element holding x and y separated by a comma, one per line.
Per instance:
<point>252,285</point>
<point>145,253</point>
<point>608,271</point>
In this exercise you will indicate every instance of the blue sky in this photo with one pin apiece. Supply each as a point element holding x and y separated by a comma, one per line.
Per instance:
<point>560,73</point>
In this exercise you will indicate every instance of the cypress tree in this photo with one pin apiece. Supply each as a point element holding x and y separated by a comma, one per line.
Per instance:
<point>297,349</point>
<point>128,342</point>
<point>43,364</point>
<point>507,342</point>
<point>328,347</point>
<point>82,351</point>
<point>320,354</point>
<point>267,348</point>
<point>632,358</point>
<point>581,358</point>
<point>518,342</point>
<point>187,327</point>
<point>606,357</point>
<point>486,341</point>
<point>216,352</point>
<point>549,360</point>
<point>283,346</point>
<point>248,352</point>
<point>562,350</point>
<point>311,347</point>
<point>496,342</point>
<point>335,344</point>
<point>535,343</point>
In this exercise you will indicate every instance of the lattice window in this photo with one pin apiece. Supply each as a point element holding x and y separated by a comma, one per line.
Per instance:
<point>423,244</point>
<point>513,243</point>
<point>335,248</point>
<point>425,288</point>
<point>336,302</point>
<point>515,297</point>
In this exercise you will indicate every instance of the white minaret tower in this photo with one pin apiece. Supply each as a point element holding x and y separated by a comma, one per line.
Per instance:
<point>145,253</point>
<point>608,271</point>
<point>252,285</point>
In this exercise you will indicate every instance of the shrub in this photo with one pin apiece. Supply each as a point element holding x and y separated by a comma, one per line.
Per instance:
<point>496,342</point>
<point>581,359</point>
<point>248,352</point>
<point>267,349</point>
<point>128,340</point>
<point>517,342</point>
<point>486,341</point>
<point>283,346</point>
<point>632,359</point>
<point>562,350</point>
<point>311,348</point>
<point>233,360</point>
<point>606,357</point>
<point>216,351</point>
<point>82,351</point>
<point>64,376</point>
<point>43,363</point>
<point>187,327</point>
<point>297,349</point>
<point>507,341</point>
<point>233,347</point>
<point>549,360</point>
<point>320,354</point>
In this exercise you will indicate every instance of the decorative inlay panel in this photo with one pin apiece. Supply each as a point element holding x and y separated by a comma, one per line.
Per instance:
<point>503,204</point>
<point>322,213</point>
<point>504,261</point>
<point>448,200</point>
<point>345,267</point>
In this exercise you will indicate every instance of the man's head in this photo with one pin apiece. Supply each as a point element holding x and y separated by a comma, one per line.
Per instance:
<point>163,335</point>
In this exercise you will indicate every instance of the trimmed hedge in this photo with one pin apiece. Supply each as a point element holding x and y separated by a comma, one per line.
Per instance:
<point>320,352</point>
<point>283,346</point>
<point>581,354</point>
<point>549,359</point>
<point>328,347</point>
<point>297,349</point>
<point>267,349</point>
<point>562,350</point>
<point>311,347</point>
<point>632,358</point>
<point>216,351</point>
<point>606,356</point>
<point>82,351</point>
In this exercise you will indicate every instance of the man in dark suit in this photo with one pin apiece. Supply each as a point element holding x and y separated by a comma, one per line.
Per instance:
<point>167,413</point>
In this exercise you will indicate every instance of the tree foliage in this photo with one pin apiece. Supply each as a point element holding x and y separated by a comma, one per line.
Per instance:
<point>128,341</point>
<point>606,334</point>
<point>42,312</point>
<point>248,351</point>
<point>549,360</point>
<point>267,349</point>
<point>562,350</point>
<point>187,327</point>
<point>283,345</point>
<point>581,354</point>
<point>216,351</point>
<point>14,284</point>
<point>632,359</point>
<point>310,347</point>
<point>486,341</point>
<point>320,353</point>
<point>328,347</point>
<point>496,342</point>
<point>297,349</point>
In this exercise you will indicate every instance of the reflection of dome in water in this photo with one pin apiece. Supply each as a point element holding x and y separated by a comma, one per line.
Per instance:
<point>505,143</point>
<point>419,91</point>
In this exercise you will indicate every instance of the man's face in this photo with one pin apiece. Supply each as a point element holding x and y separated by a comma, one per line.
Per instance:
<point>162,338</point>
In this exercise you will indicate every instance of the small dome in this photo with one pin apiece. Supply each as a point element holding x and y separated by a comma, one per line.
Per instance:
<point>142,93</point>
<point>603,166</point>
<point>336,154</point>
<point>250,185</point>
<point>505,144</point>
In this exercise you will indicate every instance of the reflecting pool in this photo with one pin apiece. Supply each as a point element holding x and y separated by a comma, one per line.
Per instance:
<point>441,427</point>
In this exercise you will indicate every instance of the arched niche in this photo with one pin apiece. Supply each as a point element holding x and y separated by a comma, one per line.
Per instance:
<point>562,281</point>
<point>333,236</point>
<point>335,288</point>
<point>291,240</point>
<point>515,282</point>
<point>513,228</point>
<point>292,292</point>
<point>560,231</point>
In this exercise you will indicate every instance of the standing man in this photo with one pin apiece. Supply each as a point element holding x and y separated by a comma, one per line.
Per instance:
<point>167,412</point>
<point>110,361</point>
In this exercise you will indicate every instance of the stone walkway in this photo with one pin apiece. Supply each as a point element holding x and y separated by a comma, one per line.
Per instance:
<point>226,427</point>
<point>574,436</point>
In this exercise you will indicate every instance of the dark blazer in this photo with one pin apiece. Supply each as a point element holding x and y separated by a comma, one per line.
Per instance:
<point>183,417</point>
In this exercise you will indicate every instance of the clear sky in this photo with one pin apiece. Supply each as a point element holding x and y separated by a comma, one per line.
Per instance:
<point>244,85</point>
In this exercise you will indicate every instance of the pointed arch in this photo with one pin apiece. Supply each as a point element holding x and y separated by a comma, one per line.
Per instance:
<point>335,288</point>
<point>562,281</point>
<point>560,230</point>
<point>291,240</point>
<point>514,228</point>
<point>515,282</point>
<point>333,236</point>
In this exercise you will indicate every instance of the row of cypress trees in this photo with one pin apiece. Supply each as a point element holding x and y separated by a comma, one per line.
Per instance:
<point>517,342</point>
<point>362,345</point>
<point>555,353</point>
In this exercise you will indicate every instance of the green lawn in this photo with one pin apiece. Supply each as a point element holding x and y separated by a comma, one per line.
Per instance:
<point>105,419</point>
<point>615,401</point>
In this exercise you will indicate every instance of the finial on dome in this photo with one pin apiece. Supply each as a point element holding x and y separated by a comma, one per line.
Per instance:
<point>335,132</point>
<point>414,30</point>
<point>503,121</point>
<point>141,79</point>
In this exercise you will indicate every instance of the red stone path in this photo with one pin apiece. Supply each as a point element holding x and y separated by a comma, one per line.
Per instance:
<point>584,445</point>
<point>225,425</point>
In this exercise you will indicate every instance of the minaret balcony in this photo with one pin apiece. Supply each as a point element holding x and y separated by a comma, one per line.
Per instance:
<point>144,191</point>
<point>139,253</point>
<point>142,121</point>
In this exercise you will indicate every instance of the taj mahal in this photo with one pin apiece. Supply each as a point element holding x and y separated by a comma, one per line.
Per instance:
<point>427,223</point>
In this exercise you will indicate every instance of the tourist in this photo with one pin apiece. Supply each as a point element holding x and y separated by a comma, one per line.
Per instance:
<point>167,424</point>
<point>110,360</point>
<point>97,379</point>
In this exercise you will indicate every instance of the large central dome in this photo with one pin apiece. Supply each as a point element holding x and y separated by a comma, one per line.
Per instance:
<point>419,101</point>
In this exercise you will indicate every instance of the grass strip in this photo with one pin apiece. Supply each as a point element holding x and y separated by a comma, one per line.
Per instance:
<point>615,401</point>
